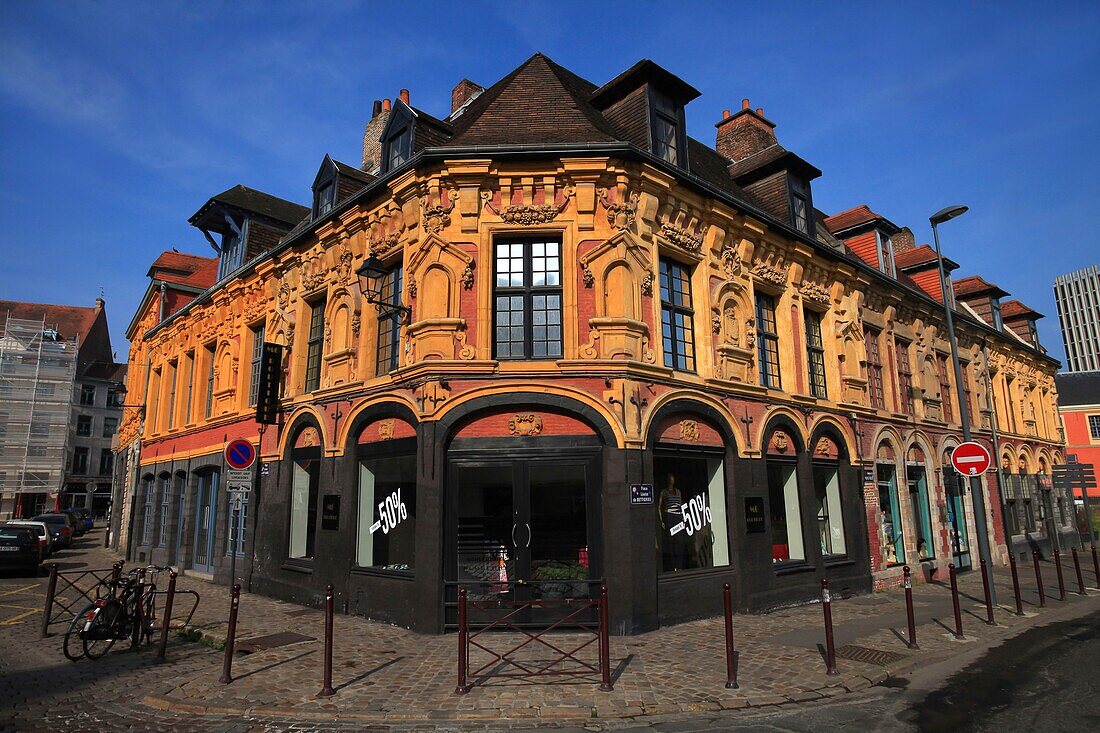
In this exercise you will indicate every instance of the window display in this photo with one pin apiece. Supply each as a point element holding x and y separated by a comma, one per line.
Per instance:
<point>830,521</point>
<point>891,540</point>
<point>692,532</point>
<point>386,533</point>
<point>786,513</point>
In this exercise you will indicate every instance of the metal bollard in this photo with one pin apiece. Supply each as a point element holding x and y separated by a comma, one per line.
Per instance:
<point>909,609</point>
<point>1016,585</point>
<point>731,654</point>
<point>1061,582</point>
<point>463,645</point>
<point>51,591</point>
<point>326,690</point>
<point>230,637</point>
<point>955,601</point>
<point>605,644</point>
<point>1095,567</point>
<point>830,651</point>
<point>116,572</point>
<point>1039,580</point>
<point>988,599</point>
<point>1077,569</point>
<point>168,600</point>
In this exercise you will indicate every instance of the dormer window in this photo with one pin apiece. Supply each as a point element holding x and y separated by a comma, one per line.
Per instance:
<point>231,254</point>
<point>800,204</point>
<point>398,149</point>
<point>667,127</point>
<point>885,252</point>
<point>325,198</point>
<point>995,312</point>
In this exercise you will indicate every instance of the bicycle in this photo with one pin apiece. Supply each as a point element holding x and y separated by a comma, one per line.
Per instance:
<point>129,612</point>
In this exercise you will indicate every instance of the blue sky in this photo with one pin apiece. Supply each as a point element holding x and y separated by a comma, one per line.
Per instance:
<point>118,120</point>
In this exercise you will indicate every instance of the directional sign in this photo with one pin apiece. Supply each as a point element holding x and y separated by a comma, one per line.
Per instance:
<point>240,454</point>
<point>970,459</point>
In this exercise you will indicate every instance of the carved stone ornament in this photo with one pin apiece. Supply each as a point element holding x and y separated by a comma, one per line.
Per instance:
<point>825,447</point>
<point>587,276</point>
<point>647,284</point>
<point>732,336</point>
<point>381,246</point>
<point>716,322</point>
<point>356,324</point>
<point>750,333</point>
<point>690,240</point>
<point>435,216</point>
<point>385,429</point>
<point>731,263</point>
<point>525,425</point>
<point>770,273</point>
<point>689,430</point>
<point>621,213</point>
<point>814,291</point>
<point>412,288</point>
<point>343,265</point>
<point>468,276</point>
<point>780,442</point>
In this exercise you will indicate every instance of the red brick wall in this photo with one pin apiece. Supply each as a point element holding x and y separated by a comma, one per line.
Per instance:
<point>496,425</point>
<point>395,427</point>
<point>671,431</point>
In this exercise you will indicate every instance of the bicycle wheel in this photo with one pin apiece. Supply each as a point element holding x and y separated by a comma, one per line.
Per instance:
<point>73,646</point>
<point>149,614</point>
<point>100,635</point>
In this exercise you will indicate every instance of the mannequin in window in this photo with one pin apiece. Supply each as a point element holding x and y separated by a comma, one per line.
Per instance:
<point>669,505</point>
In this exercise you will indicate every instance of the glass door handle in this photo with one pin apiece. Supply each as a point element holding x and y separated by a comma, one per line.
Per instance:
<point>514,544</point>
<point>528,526</point>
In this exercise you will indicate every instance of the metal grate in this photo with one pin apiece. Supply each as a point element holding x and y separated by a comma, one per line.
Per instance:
<point>260,643</point>
<point>866,654</point>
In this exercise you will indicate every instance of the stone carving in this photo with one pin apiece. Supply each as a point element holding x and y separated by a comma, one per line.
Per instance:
<point>825,447</point>
<point>731,263</point>
<point>468,276</point>
<point>356,324</point>
<point>343,264</point>
<point>750,333</point>
<point>412,288</point>
<point>689,430</point>
<point>437,216</point>
<point>770,273</point>
<point>525,425</point>
<point>814,291</point>
<point>780,442</point>
<point>621,213</point>
<point>587,276</point>
<point>716,322</point>
<point>690,240</point>
<point>385,429</point>
<point>732,335</point>
<point>647,284</point>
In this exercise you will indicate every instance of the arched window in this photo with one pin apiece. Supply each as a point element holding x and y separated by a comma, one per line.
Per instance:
<point>386,515</point>
<point>916,475</point>
<point>304,487</point>
<point>830,517</point>
<point>784,502</point>
<point>891,534</point>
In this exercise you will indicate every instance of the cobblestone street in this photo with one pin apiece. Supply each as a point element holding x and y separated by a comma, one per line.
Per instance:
<point>388,676</point>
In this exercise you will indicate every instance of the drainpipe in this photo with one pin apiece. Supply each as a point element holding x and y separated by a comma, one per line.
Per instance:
<point>163,301</point>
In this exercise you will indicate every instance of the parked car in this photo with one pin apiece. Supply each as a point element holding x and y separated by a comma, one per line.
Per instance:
<point>83,518</point>
<point>61,528</point>
<point>79,527</point>
<point>19,549</point>
<point>45,539</point>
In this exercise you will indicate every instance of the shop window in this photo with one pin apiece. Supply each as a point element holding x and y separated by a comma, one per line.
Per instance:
<point>830,519</point>
<point>238,524</point>
<point>692,529</point>
<point>767,342</point>
<point>165,495</point>
<point>1012,502</point>
<point>891,540</point>
<point>314,344</point>
<point>386,527</point>
<point>303,507</point>
<point>815,355</point>
<point>786,515</point>
<point>677,316</point>
<point>84,425</point>
<point>258,335</point>
<point>147,514</point>
<point>389,322</point>
<point>527,299</point>
<point>918,503</point>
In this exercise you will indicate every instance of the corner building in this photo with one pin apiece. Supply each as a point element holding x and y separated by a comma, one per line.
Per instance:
<point>627,356</point>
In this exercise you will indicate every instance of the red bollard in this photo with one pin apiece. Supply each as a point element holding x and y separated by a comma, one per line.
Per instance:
<point>1061,582</point>
<point>988,600</point>
<point>463,644</point>
<point>605,644</point>
<point>731,654</point>
<point>1039,580</point>
<point>1016,585</point>
<point>326,690</point>
<point>1077,568</point>
<point>830,651</point>
<point>955,601</point>
<point>909,609</point>
<point>168,600</point>
<point>230,637</point>
<point>1095,567</point>
<point>116,573</point>
<point>51,591</point>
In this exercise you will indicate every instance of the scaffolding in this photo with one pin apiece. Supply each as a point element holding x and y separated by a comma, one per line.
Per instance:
<point>37,374</point>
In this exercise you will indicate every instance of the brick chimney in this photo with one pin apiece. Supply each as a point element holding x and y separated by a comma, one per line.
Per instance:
<point>744,133</point>
<point>372,135</point>
<point>903,241</point>
<point>463,92</point>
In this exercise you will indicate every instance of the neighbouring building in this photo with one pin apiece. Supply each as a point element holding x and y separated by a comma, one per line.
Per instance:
<point>1079,405</point>
<point>592,348</point>
<point>1077,296</point>
<point>60,405</point>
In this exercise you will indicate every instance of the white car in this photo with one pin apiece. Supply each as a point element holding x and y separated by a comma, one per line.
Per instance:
<point>45,540</point>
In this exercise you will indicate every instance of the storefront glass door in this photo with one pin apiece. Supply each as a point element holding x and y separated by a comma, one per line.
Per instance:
<point>956,517</point>
<point>205,513</point>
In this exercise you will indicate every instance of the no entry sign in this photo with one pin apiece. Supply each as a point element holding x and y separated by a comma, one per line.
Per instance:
<point>970,459</point>
<point>240,454</point>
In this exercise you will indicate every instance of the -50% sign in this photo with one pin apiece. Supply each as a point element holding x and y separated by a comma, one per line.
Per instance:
<point>390,513</point>
<point>696,516</point>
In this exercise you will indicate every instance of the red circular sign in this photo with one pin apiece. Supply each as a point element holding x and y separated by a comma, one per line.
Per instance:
<point>240,454</point>
<point>971,459</point>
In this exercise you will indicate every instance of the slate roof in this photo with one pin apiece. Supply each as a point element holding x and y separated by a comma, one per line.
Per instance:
<point>108,372</point>
<point>257,202</point>
<point>976,285</point>
<point>1078,388</point>
<point>70,321</point>
<point>351,172</point>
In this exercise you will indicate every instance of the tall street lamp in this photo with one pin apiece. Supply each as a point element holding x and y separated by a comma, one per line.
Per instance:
<point>977,491</point>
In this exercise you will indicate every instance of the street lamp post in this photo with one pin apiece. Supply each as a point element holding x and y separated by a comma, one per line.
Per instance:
<point>977,490</point>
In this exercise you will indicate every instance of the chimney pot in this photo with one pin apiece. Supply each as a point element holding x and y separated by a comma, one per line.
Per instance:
<point>385,105</point>
<point>405,96</point>
<point>760,111</point>
<point>725,114</point>
<point>376,108</point>
<point>744,103</point>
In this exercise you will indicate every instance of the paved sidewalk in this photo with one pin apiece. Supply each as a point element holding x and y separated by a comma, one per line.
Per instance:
<point>386,676</point>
